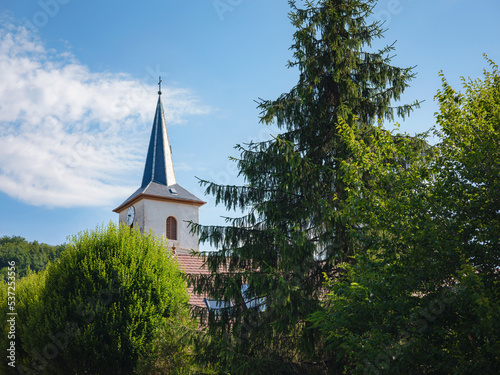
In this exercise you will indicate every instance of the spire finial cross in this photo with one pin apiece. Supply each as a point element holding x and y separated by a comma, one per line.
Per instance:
<point>159,86</point>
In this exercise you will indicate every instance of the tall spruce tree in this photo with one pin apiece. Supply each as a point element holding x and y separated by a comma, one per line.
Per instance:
<point>293,229</point>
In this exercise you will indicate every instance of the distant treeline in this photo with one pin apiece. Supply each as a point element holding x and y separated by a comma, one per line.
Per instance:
<point>27,255</point>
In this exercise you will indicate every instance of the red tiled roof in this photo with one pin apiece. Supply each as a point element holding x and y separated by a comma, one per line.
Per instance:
<point>193,265</point>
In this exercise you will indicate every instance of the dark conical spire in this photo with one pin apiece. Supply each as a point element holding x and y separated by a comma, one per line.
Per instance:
<point>159,177</point>
<point>159,165</point>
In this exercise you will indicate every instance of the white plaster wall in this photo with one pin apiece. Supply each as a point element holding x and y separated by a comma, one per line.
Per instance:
<point>122,216</point>
<point>139,215</point>
<point>155,217</point>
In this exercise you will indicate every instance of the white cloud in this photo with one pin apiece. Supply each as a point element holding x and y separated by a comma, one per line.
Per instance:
<point>66,133</point>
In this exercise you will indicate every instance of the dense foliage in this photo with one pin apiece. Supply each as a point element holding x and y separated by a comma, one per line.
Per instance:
<point>424,295</point>
<point>32,256</point>
<point>101,308</point>
<point>295,228</point>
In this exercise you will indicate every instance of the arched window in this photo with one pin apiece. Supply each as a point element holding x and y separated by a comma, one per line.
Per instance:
<point>171,228</point>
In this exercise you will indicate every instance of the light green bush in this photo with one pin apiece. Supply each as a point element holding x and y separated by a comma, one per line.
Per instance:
<point>100,305</point>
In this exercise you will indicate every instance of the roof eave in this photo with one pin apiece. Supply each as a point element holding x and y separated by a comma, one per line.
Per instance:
<point>157,198</point>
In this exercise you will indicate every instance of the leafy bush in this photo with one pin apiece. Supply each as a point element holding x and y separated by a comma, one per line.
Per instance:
<point>27,306</point>
<point>173,351</point>
<point>97,309</point>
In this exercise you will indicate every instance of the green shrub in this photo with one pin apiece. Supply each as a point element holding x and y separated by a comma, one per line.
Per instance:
<point>173,351</point>
<point>27,307</point>
<point>100,305</point>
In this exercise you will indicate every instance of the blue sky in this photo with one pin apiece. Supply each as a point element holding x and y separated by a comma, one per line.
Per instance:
<point>78,92</point>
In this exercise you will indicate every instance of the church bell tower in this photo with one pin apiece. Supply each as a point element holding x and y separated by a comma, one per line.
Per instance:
<point>160,203</point>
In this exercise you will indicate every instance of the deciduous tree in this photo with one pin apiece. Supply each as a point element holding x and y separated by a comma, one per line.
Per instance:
<point>424,296</point>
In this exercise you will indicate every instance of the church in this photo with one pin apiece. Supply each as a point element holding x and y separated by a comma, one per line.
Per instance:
<point>162,205</point>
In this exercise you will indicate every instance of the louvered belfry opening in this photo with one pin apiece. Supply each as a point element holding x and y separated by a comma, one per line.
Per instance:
<point>171,228</point>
